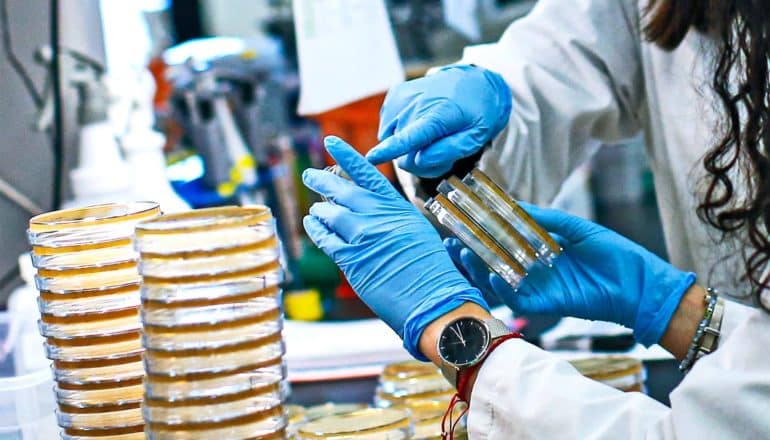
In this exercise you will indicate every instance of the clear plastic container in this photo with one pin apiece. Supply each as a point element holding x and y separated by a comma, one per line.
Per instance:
<point>370,424</point>
<point>476,239</point>
<point>246,259</point>
<point>494,197</point>
<point>27,406</point>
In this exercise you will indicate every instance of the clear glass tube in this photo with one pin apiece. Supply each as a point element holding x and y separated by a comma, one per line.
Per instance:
<point>493,196</point>
<point>476,239</point>
<point>498,229</point>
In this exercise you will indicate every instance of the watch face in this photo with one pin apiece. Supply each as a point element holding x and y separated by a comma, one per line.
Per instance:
<point>463,342</point>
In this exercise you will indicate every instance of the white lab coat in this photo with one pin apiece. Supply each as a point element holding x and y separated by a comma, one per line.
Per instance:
<point>581,75</point>
<point>523,392</point>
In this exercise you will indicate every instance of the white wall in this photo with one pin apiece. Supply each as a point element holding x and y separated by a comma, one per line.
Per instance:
<point>233,18</point>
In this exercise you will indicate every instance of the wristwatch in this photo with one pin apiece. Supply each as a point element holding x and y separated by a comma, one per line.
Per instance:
<point>465,342</point>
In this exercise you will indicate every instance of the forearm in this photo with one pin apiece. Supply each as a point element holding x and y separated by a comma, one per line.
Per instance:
<point>684,323</point>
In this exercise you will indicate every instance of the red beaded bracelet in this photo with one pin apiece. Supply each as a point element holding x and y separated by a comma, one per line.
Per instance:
<point>463,377</point>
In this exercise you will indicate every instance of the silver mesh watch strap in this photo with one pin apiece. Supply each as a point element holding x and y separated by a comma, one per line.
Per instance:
<point>497,328</point>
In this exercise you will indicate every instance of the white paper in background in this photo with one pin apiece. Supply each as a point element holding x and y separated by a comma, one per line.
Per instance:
<point>346,51</point>
<point>462,16</point>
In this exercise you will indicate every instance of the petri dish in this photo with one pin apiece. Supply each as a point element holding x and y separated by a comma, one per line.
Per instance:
<point>249,321</point>
<point>89,326</point>
<point>621,372</point>
<point>426,418</point>
<point>506,236</point>
<point>95,349</point>
<point>204,230</point>
<point>179,388</point>
<point>497,199</point>
<point>332,409</point>
<point>99,373</point>
<point>85,397</point>
<point>202,291</point>
<point>266,425</point>
<point>228,359</point>
<point>412,377</point>
<point>89,303</point>
<point>387,400</point>
<point>118,416</point>
<point>80,228</point>
<point>477,240</point>
<point>295,417</point>
<point>63,259</point>
<point>83,436</point>
<point>236,260</point>
<point>74,281</point>
<point>370,424</point>
<point>213,409</point>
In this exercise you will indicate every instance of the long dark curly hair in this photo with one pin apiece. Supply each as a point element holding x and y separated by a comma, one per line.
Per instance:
<point>736,191</point>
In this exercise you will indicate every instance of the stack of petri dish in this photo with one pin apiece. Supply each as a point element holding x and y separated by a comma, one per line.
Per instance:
<point>620,372</point>
<point>492,225</point>
<point>212,325</point>
<point>89,305</point>
<point>369,424</point>
<point>402,383</point>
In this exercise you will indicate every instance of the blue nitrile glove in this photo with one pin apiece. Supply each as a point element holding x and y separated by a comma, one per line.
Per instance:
<point>391,255</point>
<point>431,122</point>
<point>600,275</point>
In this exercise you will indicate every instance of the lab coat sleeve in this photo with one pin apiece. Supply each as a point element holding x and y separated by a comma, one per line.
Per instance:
<point>523,392</point>
<point>575,73</point>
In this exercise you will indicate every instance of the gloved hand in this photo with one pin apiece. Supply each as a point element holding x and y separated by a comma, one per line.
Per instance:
<point>432,122</point>
<point>390,254</point>
<point>600,275</point>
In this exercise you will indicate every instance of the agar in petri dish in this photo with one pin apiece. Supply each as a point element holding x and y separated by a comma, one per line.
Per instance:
<point>507,237</point>
<point>497,199</point>
<point>476,239</point>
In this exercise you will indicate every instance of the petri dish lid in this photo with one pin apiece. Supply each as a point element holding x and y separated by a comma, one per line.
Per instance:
<point>331,409</point>
<point>204,230</point>
<point>366,422</point>
<point>408,370</point>
<point>193,291</point>
<point>89,225</point>
<point>608,367</point>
